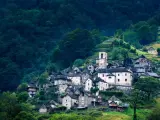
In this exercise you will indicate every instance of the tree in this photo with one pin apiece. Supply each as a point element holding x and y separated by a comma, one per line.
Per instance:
<point>135,99</point>
<point>132,38</point>
<point>22,87</point>
<point>150,86</point>
<point>75,44</point>
<point>23,96</point>
<point>24,116</point>
<point>9,106</point>
<point>78,62</point>
<point>155,114</point>
<point>43,78</point>
<point>9,74</point>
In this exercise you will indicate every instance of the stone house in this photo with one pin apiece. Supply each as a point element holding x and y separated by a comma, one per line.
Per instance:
<point>69,101</point>
<point>84,100</point>
<point>61,80</point>
<point>102,85</point>
<point>117,76</point>
<point>115,100</point>
<point>152,51</point>
<point>75,78</point>
<point>142,61</point>
<point>43,109</point>
<point>32,90</point>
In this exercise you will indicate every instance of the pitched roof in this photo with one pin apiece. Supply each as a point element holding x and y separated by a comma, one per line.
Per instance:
<point>114,98</point>
<point>113,70</point>
<point>152,74</point>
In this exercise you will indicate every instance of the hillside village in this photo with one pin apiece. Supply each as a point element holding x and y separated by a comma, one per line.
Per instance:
<point>80,88</point>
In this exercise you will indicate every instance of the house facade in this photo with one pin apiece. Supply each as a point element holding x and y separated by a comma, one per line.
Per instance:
<point>102,85</point>
<point>117,76</point>
<point>67,101</point>
<point>152,51</point>
<point>76,79</point>
<point>84,100</point>
<point>88,85</point>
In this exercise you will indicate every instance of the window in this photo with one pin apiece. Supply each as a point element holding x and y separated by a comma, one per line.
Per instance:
<point>66,100</point>
<point>125,74</point>
<point>118,80</point>
<point>103,75</point>
<point>126,80</point>
<point>110,77</point>
<point>101,55</point>
<point>118,74</point>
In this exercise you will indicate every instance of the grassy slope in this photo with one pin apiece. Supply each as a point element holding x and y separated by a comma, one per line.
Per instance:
<point>126,115</point>
<point>106,46</point>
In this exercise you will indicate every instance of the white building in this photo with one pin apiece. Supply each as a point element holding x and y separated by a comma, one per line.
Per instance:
<point>67,101</point>
<point>102,85</point>
<point>76,79</point>
<point>43,109</point>
<point>102,60</point>
<point>88,85</point>
<point>116,76</point>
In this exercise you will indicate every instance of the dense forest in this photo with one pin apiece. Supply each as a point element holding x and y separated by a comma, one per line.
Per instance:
<point>33,32</point>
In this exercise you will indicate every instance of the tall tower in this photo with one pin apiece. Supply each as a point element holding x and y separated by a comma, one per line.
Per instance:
<point>102,60</point>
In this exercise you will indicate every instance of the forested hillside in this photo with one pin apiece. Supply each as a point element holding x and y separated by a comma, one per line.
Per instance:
<point>30,30</point>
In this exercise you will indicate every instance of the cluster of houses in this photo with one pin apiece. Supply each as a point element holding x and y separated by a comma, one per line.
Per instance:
<point>75,86</point>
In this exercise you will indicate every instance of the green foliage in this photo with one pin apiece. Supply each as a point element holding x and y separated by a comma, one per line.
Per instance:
<point>23,96</point>
<point>11,108</point>
<point>111,93</point>
<point>76,44</point>
<point>9,74</point>
<point>78,62</point>
<point>155,115</point>
<point>24,116</point>
<point>43,78</point>
<point>150,86</point>
<point>94,90</point>
<point>22,87</point>
<point>71,117</point>
<point>51,67</point>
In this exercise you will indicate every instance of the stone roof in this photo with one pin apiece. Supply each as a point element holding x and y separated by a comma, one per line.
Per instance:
<point>114,98</point>
<point>114,70</point>
<point>150,48</point>
<point>152,74</point>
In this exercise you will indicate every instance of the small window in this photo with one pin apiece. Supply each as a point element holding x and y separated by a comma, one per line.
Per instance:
<point>125,74</point>
<point>103,75</point>
<point>110,77</point>
<point>118,74</point>
<point>66,100</point>
<point>126,80</point>
<point>101,55</point>
<point>118,80</point>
